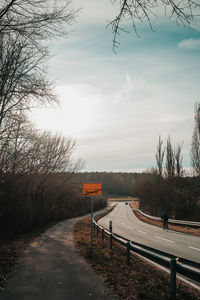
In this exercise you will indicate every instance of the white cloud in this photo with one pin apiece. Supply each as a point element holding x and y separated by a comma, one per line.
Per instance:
<point>96,11</point>
<point>190,44</point>
<point>116,106</point>
<point>76,114</point>
<point>196,23</point>
<point>120,129</point>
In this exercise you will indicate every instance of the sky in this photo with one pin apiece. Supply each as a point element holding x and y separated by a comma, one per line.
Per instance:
<point>115,105</point>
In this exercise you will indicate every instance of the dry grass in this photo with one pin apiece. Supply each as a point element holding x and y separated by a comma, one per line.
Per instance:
<point>188,230</point>
<point>140,280</point>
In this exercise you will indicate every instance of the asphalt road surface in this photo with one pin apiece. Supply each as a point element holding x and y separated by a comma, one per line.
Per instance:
<point>126,224</point>
<point>51,269</point>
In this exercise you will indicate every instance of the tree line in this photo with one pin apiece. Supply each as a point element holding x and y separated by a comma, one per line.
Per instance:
<point>37,183</point>
<point>113,183</point>
<point>166,187</point>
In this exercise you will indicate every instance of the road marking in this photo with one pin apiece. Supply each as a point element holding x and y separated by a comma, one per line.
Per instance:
<point>142,231</point>
<point>130,227</point>
<point>194,248</point>
<point>158,237</point>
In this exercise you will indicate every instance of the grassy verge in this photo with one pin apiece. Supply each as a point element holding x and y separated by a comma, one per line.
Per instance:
<point>140,280</point>
<point>188,230</point>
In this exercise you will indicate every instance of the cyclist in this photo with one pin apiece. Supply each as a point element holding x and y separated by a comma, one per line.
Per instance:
<point>164,219</point>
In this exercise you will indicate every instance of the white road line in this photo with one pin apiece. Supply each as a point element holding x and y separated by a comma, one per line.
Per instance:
<point>194,248</point>
<point>142,231</point>
<point>158,237</point>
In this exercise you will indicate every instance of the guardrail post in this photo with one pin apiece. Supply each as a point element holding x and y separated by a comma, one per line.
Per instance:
<point>97,230</point>
<point>173,278</point>
<point>92,220</point>
<point>110,226</point>
<point>111,241</point>
<point>128,253</point>
<point>102,234</point>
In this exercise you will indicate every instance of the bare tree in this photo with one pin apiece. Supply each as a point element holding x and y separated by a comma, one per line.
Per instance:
<point>26,150</point>
<point>22,75</point>
<point>28,156</point>
<point>195,148</point>
<point>25,29</point>
<point>170,160</point>
<point>137,11</point>
<point>51,153</point>
<point>15,143</point>
<point>160,157</point>
<point>178,160</point>
<point>41,18</point>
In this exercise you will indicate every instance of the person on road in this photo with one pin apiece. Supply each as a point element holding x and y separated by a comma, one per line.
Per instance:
<point>164,219</point>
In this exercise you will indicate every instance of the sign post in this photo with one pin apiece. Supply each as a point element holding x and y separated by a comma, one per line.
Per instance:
<point>110,226</point>
<point>92,189</point>
<point>92,204</point>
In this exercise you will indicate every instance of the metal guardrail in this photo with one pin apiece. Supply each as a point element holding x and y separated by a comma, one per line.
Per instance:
<point>173,221</point>
<point>185,267</point>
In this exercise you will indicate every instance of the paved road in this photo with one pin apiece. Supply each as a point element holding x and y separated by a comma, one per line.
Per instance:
<point>51,269</point>
<point>127,224</point>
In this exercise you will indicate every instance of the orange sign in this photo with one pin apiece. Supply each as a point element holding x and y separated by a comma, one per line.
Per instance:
<point>91,189</point>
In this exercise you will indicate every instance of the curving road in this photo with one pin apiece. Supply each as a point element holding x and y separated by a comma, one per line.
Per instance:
<point>125,223</point>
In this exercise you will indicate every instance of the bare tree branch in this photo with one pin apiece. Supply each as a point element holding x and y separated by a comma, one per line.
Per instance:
<point>22,74</point>
<point>43,18</point>
<point>137,11</point>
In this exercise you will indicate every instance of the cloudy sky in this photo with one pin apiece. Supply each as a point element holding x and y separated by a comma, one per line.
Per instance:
<point>117,105</point>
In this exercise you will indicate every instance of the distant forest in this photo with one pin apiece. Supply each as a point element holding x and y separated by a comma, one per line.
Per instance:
<point>35,200</point>
<point>164,187</point>
<point>113,183</point>
<point>179,196</point>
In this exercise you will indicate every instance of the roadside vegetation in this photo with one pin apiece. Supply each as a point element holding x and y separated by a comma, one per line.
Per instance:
<point>178,196</point>
<point>165,187</point>
<point>183,229</point>
<point>36,166</point>
<point>140,280</point>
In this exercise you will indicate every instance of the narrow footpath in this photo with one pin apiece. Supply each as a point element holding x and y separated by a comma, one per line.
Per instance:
<point>51,269</point>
